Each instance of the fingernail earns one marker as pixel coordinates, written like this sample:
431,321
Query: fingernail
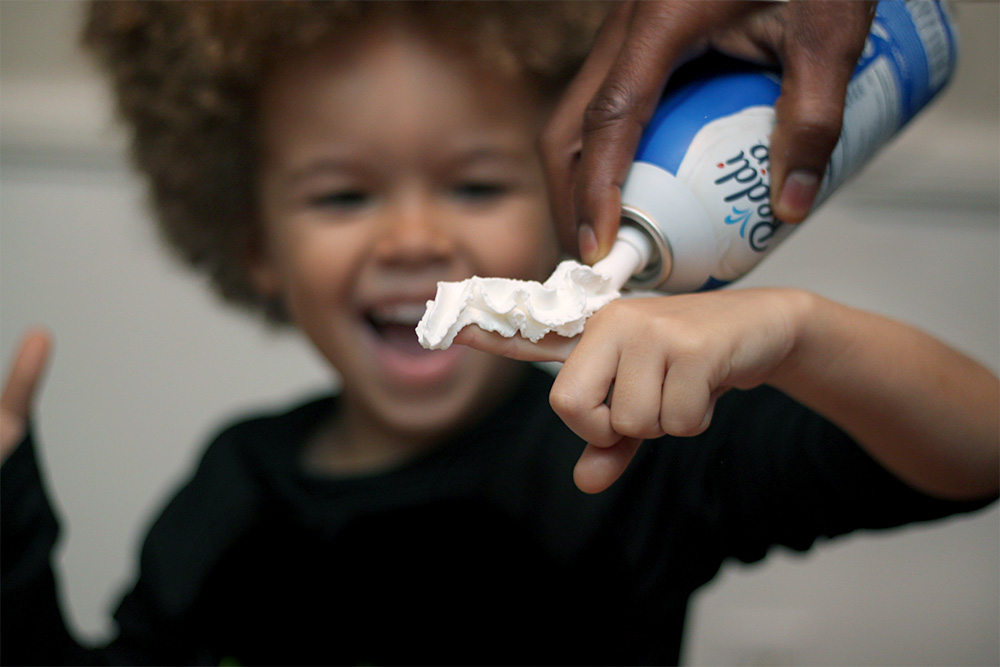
588,243
798,195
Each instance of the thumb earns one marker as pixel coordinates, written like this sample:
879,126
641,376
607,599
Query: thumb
599,467
809,120
818,63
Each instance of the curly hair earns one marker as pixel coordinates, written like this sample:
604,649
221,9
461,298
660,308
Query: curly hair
185,76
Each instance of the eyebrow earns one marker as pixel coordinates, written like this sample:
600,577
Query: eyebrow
323,164
479,153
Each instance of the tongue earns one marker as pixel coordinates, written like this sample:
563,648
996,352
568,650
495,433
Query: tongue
402,338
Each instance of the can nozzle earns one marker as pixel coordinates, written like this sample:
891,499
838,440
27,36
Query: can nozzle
630,255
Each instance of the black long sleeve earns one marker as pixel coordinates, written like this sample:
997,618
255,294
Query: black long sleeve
32,627
474,552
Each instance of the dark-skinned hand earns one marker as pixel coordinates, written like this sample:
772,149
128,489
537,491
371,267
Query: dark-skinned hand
592,136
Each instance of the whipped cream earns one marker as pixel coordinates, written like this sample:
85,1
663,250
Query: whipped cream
561,304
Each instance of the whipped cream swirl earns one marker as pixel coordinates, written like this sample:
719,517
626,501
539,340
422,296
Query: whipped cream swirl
561,304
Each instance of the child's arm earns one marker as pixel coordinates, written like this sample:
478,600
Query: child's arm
32,630
925,411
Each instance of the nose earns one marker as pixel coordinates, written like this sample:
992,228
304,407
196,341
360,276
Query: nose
415,231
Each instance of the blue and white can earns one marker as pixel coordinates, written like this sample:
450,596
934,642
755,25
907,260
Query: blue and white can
700,183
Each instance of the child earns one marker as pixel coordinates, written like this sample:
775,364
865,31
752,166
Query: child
326,165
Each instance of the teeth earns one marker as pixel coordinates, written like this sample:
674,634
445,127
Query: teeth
400,313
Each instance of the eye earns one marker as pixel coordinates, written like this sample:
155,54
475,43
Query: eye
479,190
341,199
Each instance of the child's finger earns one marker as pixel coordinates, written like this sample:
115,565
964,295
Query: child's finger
635,408
599,467
19,390
24,376
580,392
552,347
687,401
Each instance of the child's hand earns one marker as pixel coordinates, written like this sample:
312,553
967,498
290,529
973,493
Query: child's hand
20,389
644,367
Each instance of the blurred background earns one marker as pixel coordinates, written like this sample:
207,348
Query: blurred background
147,364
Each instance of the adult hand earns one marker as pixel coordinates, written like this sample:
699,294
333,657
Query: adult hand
21,387
592,136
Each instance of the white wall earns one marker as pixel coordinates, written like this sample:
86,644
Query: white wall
147,363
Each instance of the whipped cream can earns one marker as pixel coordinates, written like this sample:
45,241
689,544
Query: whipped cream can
700,183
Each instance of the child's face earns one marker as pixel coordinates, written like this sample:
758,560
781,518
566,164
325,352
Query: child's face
390,163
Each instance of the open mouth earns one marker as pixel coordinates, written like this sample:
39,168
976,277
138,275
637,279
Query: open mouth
395,325
398,355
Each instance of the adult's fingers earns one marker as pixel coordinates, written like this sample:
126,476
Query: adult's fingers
660,35
561,138
599,467
823,42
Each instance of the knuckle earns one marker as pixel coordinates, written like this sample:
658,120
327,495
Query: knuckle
691,346
614,104
812,126
564,403
817,135
604,316
811,110
820,120
618,314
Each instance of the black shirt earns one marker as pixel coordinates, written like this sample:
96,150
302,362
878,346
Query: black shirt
481,551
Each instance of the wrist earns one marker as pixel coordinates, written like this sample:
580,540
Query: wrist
804,314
